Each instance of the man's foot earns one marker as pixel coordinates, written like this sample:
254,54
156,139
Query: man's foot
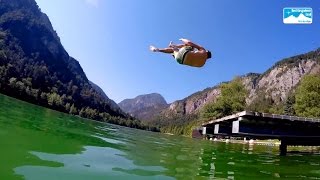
186,41
154,49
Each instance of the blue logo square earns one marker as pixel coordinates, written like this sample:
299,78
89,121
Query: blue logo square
297,15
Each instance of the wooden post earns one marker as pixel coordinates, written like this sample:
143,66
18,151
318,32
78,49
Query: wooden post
216,129
283,148
204,130
235,126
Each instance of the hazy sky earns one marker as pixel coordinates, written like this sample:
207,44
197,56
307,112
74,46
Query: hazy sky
110,39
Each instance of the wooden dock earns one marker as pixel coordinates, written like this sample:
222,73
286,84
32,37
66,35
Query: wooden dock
290,130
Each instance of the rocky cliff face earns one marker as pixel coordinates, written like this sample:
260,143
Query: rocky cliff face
276,83
144,106
280,80
194,102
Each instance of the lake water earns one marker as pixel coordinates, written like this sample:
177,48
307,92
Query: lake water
41,144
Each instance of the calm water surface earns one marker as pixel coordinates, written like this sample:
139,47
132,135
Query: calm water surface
37,143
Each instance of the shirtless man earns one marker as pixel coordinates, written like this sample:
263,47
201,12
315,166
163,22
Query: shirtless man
187,53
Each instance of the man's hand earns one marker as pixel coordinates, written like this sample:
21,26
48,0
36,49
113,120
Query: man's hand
154,49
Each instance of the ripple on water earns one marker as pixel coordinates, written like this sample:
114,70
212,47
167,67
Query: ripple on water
182,157
315,172
104,128
314,164
109,140
265,172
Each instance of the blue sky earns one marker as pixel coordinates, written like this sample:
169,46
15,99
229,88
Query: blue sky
110,39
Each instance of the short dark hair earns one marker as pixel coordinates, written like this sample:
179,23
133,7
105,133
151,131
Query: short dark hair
208,54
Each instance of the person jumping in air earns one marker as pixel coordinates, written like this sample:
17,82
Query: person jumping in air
187,53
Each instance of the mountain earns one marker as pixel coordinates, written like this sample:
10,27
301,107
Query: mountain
144,106
296,20
35,67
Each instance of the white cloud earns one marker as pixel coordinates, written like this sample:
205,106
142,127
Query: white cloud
94,3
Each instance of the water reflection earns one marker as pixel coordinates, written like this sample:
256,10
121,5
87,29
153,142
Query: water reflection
92,163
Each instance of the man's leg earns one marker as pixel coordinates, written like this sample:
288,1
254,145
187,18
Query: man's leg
163,50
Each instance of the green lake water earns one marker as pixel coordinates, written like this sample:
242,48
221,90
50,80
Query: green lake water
41,144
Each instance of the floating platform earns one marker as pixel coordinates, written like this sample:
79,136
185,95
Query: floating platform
290,130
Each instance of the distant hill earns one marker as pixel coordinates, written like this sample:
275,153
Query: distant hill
144,107
35,67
